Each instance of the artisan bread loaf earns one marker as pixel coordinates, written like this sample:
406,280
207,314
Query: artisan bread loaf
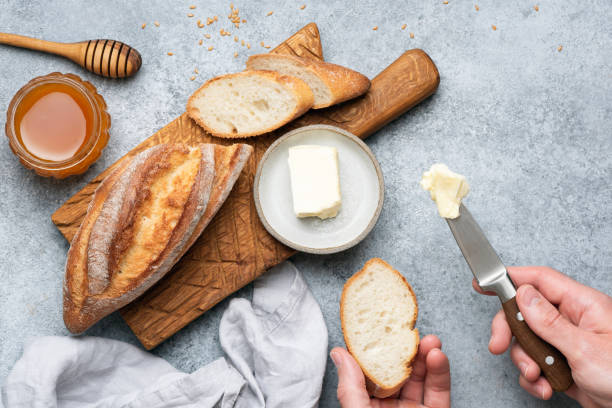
248,103
330,83
142,219
378,311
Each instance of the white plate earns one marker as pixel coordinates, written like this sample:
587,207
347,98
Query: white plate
361,187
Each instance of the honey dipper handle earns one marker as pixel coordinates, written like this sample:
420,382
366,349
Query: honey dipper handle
32,43
109,58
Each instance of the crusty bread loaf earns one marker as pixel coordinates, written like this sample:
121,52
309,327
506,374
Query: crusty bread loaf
141,220
330,83
378,311
248,103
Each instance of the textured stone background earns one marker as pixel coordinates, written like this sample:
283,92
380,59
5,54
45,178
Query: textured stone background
528,125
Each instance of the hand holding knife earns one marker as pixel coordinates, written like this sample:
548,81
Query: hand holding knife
491,275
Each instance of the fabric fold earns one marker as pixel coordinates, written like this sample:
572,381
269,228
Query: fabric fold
276,345
279,342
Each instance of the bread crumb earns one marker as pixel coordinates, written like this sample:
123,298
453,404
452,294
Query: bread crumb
403,26
235,55
269,13
476,7
375,28
170,53
156,23
536,8
248,46
261,43
445,2
195,71
235,39
411,35
200,24
200,42
189,14
207,36
302,7
560,48
211,48
494,27
192,7
242,43
192,78
268,46
244,21
143,25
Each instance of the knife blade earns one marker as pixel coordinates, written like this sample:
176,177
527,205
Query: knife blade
491,275
488,269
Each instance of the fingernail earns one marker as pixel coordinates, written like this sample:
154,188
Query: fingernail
524,367
531,297
541,391
335,358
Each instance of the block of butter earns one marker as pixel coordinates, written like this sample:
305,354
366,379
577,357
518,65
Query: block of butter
447,189
315,181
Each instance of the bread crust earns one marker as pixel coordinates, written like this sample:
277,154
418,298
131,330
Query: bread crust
374,387
302,94
344,83
111,218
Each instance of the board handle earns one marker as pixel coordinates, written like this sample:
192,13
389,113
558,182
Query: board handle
552,363
403,84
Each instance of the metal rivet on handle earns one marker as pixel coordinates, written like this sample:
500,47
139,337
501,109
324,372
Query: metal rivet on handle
549,360
519,316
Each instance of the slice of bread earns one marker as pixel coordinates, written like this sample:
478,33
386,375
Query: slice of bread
330,83
378,311
248,103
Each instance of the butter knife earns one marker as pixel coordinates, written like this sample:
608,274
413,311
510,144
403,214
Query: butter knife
491,275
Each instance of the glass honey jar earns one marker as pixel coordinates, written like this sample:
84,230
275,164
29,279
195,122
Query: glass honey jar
57,125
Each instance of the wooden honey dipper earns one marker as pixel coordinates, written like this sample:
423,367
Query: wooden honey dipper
109,58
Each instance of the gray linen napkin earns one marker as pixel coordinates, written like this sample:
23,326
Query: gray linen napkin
277,347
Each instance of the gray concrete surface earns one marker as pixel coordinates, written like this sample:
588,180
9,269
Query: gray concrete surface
528,125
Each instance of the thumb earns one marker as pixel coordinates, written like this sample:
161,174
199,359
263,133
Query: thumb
546,321
351,382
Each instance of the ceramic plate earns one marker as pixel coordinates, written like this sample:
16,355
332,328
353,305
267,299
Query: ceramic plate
361,188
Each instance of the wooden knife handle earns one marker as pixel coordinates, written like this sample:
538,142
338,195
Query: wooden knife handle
407,81
552,363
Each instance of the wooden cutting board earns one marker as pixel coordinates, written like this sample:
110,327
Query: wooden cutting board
235,248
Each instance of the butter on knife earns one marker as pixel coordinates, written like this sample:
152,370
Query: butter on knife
447,189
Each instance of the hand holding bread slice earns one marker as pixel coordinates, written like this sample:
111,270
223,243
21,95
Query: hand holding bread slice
142,219
378,310
274,90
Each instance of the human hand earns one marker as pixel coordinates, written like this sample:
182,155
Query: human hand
428,386
580,327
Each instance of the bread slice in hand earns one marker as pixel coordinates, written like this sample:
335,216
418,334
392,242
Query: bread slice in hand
248,103
330,83
143,217
378,311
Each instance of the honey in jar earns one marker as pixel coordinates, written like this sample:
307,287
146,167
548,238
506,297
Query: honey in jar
57,125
